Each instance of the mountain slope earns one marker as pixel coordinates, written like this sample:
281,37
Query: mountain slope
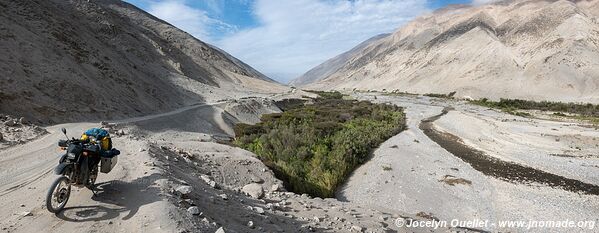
332,65
535,49
74,60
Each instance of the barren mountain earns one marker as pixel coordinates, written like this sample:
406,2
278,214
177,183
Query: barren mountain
533,49
78,59
332,65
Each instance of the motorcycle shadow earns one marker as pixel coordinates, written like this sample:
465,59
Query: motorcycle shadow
115,198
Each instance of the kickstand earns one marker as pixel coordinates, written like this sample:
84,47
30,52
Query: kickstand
93,189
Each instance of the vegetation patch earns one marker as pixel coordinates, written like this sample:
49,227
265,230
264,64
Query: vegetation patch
576,111
313,147
558,107
443,96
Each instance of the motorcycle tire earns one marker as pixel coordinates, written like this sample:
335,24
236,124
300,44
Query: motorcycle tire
61,196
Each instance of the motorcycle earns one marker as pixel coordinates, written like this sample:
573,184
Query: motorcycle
77,167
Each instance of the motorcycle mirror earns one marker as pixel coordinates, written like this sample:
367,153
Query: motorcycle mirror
64,131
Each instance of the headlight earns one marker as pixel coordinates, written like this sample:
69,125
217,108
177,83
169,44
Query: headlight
71,155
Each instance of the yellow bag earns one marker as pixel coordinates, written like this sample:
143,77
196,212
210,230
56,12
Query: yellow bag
105,142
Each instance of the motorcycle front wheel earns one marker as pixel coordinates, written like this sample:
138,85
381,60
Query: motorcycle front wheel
58,195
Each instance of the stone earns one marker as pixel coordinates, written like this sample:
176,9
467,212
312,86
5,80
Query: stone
357,228
120,132
259,210
194,210
253,190
317,219
257,179
23,121
224,196
270,206
205,178
220,230
250,224
275,187
10,122
184,189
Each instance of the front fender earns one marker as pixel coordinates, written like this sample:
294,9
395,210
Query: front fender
61,168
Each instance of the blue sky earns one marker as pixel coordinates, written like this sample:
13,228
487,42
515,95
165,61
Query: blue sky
285,38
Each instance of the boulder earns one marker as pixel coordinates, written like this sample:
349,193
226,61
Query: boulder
275,187
184,190
194,210
256,179
259,210
357,228
220,230
254,190
10,122
224,196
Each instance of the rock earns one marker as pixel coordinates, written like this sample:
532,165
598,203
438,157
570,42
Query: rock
259,210
275,187
10,122
142,149
317,219
224,196
220,230
357,228
205,178
27,213
271,206
254,190
23,121
250,224
184,189
194,210
120,132
212,184
1,137
257,179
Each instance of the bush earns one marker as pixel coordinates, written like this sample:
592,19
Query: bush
313,148
510,105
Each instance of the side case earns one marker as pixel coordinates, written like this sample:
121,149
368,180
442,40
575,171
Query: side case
107,164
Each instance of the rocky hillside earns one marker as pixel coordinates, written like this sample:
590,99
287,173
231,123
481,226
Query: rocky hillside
334,64
66,60
532,49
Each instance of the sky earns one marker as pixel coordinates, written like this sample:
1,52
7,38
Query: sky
285,38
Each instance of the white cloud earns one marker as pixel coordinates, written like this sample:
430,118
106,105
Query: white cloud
482,2
297,35
194,21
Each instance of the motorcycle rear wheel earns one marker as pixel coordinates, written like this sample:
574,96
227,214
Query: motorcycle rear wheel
59,194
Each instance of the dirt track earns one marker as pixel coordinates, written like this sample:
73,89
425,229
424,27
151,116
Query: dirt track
128,199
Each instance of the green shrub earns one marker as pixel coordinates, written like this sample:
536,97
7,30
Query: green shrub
443,96
313,148
511,105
